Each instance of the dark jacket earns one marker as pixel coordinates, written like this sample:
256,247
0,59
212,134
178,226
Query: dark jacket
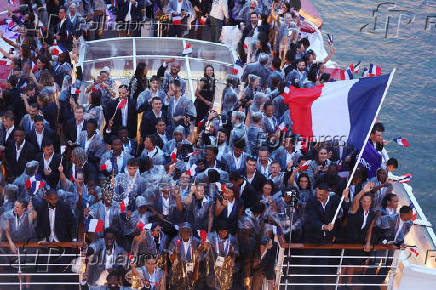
53,178
63,226
13,167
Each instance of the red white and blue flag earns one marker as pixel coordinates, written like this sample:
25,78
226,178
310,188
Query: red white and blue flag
365,72
174,155
355,68
34,183
330,39
282,127
187,50
343,108
192,171
124,204
94,225
347,74
75,91
414,250
405,178
402,141
374,70
57,48
305,165
107,165
237,68
193,153
221,187
177,19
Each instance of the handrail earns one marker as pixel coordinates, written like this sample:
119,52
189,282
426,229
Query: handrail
334,246
287,245
44,245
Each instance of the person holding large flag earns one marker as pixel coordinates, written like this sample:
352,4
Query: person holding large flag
122,113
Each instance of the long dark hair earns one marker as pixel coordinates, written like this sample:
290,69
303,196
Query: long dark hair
205,68
309,184
388,197
139,71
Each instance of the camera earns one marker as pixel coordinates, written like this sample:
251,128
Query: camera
294,195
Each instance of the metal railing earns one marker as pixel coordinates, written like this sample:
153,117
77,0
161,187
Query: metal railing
302,265
39,264
295,265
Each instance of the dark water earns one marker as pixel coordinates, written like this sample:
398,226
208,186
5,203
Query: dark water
410,106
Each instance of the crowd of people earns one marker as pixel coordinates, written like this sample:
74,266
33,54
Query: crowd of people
169,192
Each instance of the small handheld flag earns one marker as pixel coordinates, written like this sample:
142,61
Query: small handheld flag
193,153
402,141
237,68
187,50
347,74
174,155
305,165
414,250
94,225
56,48
330,39
34,183
355,68
123,205
221,187
107,165
405,178
192,171
177,19
121,104
140,226
374,71
75,91
203,235
365,72
282,127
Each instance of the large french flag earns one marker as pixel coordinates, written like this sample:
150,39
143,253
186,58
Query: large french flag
344,108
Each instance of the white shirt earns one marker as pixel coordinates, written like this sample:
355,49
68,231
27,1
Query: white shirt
186,246
230,207
119,161
73,170
109,259
87,142
163,137
51,217
124,116
79,129
47,162
365,217
157,116
152,152
250,180
107,211
129,16
238,161
165,206
8,132
288,157
39,137
19,150
400,226
62,22
265,170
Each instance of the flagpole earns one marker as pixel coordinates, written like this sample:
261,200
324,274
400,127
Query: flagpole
364,144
